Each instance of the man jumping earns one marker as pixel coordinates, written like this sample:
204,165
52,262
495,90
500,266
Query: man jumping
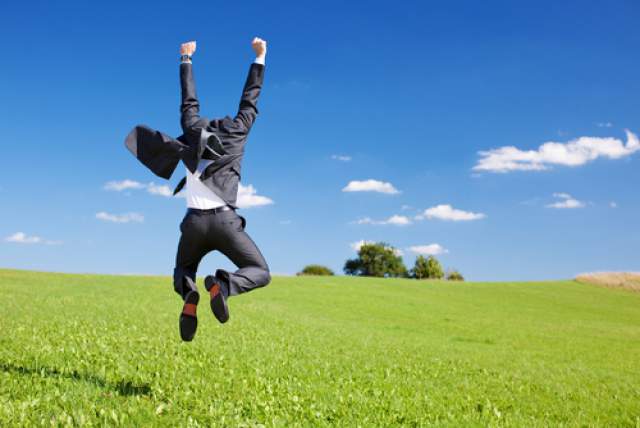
212,152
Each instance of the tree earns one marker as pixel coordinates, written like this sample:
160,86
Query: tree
353,267
429,268
454,275
316,270
377,259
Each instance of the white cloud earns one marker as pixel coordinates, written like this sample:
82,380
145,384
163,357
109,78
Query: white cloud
342,158
22,238
152,188
573,153
120,218
396,220
366,220
355,246
126,184
447,212
428,250
371,186
604,124
248,198
562,195
162,190
613,204
566,202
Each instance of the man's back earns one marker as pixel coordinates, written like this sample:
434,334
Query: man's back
217,139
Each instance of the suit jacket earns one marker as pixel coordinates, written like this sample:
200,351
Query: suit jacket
222,140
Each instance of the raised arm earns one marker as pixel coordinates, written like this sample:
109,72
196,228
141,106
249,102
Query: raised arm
248,103
190,119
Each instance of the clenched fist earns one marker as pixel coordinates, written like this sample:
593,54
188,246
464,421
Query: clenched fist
259,46
188,48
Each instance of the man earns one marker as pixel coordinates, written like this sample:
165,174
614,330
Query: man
212,152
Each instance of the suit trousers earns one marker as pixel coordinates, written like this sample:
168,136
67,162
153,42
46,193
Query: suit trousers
205,231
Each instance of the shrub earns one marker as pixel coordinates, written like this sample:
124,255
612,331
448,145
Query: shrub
454,275
377,259
316,270
429,268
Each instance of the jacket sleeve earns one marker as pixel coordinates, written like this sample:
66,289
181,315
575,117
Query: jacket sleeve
157,151
190,119
248,110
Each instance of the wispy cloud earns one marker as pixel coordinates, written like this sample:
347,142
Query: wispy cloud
566,201
120,218
371,186
341,158
573,153
448,213
126,184
613,204
396,220
23,238
604,124
119,186
428,250
248,197
159,189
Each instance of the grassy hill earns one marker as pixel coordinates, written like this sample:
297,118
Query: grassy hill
80,349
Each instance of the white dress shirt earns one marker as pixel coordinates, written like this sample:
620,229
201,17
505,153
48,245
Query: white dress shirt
197,194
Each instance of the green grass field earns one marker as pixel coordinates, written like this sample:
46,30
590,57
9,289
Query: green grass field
318,351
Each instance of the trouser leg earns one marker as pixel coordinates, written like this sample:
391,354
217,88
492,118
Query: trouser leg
191,249
238,246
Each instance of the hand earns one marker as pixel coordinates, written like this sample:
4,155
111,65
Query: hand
259,46
188,48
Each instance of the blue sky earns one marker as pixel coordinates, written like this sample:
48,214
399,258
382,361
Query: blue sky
421,97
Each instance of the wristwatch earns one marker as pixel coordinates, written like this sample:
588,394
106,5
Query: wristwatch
185,58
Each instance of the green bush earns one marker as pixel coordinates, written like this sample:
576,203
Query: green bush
316,270
379,259
454,275
429,268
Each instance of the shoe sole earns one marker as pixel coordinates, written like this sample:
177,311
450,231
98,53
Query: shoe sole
189,323
218,302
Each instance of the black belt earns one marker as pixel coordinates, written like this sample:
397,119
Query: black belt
210,211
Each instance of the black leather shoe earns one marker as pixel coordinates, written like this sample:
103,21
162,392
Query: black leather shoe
188,317
218,301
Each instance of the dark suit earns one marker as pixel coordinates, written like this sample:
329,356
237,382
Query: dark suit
222,140
226,137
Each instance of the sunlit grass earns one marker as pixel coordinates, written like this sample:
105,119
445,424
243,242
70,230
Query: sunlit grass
97,349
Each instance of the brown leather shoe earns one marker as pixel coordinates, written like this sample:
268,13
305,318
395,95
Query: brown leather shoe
188,317
218,301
